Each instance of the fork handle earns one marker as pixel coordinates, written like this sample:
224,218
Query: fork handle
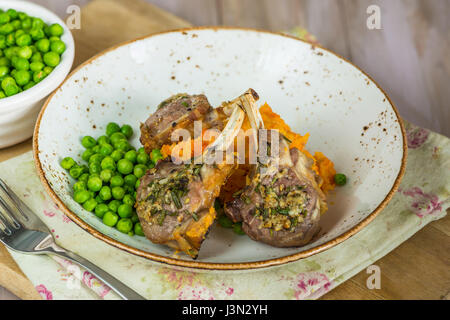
117,286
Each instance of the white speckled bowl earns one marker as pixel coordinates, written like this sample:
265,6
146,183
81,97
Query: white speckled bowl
18,113
348,116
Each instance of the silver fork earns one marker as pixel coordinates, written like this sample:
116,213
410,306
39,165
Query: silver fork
23,231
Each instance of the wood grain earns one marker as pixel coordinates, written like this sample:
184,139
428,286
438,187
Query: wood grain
409,57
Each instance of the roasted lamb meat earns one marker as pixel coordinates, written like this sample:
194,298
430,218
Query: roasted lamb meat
178,111
175,202
282,202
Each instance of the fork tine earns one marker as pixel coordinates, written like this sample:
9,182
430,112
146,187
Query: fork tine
20,205
6,225
9,214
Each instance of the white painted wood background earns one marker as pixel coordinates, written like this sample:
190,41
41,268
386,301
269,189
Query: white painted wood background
409,56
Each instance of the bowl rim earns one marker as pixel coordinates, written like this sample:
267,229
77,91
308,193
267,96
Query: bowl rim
54,79
214,265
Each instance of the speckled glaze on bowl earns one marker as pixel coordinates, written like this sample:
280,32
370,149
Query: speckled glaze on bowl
348,116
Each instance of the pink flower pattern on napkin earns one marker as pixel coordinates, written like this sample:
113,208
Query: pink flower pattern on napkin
423,203
416,136
92,282
44,292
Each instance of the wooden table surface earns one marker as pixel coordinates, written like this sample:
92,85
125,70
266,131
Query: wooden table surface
420,267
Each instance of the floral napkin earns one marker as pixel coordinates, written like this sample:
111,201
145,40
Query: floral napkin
423,196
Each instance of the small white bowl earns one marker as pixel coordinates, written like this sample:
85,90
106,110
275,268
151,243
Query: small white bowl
18,113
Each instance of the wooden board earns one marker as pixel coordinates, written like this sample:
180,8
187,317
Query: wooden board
417,269
94,36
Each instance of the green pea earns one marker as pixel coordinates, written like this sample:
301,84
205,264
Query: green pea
138,183
43,45
139,170
56,30
156,155
115,136
53,38
37,34
103,140
105,193
12,90
79,185
51,59
237,228
101,209
95,167
7,81
224,221
84,177
38,23
114,205
2,95
96,158
22,77
125,210
111,128
22,15
27,23
58,47
5,62
36,57
122,145
141,150
135,218
29,85
128,199
67,163
138,229
110,218
95,183
47,70
108,162
106,175
81,196
25,52
130,180
6,28
88,142
127,130
131,233
10,39
90,205
340,179
106,149
4,18
142,158
36,66
117,155
87,154
116,181
16,24
23,40
98,199
131,156
96,149
18,33
124,225
39,76
118,193
124,166
12,13
21,64
4,71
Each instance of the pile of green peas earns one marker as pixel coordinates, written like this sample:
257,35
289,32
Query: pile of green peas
106,184
29,51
